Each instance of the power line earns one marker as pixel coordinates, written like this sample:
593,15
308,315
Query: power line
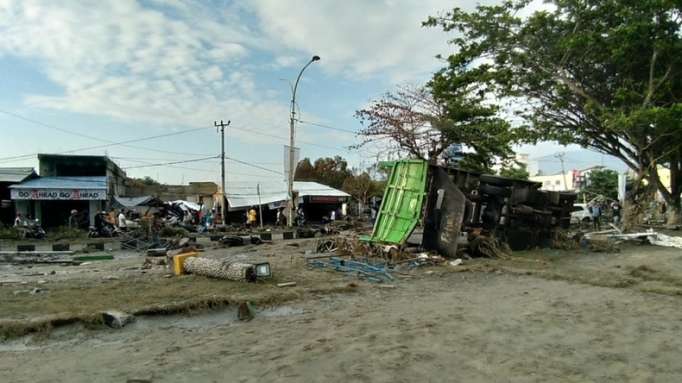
285,138
170,163
327,126
109,142
253,166
120,143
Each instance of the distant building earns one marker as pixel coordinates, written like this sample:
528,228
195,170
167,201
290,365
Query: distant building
572,180
555,182
86,184
201,193
9,177
316,200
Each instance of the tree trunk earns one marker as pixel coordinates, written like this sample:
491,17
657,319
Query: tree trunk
674,215
670,196
675,207
633,211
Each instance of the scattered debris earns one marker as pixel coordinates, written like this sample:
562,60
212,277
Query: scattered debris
383,286
488,247
456,262
246,312
117,319
372,273
659,239
93,258
286,284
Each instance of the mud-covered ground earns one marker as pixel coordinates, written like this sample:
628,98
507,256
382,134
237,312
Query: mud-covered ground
542,316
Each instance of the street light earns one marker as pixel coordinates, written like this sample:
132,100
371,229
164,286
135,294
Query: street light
292,165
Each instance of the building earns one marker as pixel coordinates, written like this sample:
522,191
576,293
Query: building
9,177
555,182
86,184
200,193
573,180
316,200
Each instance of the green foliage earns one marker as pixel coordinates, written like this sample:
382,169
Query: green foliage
328,171
10,233
604,74
516,171
140,182
423,122
362,187
602,182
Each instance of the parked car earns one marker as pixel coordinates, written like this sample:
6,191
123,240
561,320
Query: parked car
582,215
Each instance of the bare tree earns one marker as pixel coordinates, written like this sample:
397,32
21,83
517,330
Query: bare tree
405,121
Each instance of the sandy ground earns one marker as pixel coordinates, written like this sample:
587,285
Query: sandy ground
466,327
544,316
541,316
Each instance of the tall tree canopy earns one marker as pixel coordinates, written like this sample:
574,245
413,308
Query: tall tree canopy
604,74
328,171
411,121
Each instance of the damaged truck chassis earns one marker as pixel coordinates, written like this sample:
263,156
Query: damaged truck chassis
458,205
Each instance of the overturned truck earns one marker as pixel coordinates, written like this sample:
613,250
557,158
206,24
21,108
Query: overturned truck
454,206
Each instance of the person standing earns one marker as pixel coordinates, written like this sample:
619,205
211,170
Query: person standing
251,217
122,221
596,215
18,221
73,219
616,210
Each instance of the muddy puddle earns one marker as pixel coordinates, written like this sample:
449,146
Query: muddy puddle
77,334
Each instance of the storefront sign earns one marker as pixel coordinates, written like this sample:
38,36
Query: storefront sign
59,194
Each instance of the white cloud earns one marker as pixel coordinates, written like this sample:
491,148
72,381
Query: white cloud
358,37
138,63
187,63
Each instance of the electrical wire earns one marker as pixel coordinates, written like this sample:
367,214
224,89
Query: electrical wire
252,165
169,163
287,138
120,143
327,126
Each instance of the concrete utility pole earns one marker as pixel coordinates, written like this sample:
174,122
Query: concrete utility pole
292,165
561,156
260,204
223,203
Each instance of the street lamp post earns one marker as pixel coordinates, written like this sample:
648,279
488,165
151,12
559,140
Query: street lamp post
292,165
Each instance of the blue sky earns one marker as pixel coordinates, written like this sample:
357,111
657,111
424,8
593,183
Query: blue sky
122,70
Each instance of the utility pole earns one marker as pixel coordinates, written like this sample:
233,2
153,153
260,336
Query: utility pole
223,203
561,156
260,204
292,165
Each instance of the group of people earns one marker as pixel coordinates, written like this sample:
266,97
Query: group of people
597,211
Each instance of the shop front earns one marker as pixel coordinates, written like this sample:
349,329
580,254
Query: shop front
51,199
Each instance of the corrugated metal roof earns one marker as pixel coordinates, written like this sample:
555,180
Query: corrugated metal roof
245,196
63,183
131,202
15,174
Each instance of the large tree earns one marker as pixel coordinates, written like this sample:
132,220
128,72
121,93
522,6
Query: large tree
604,74
328,171
362,187
412,122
